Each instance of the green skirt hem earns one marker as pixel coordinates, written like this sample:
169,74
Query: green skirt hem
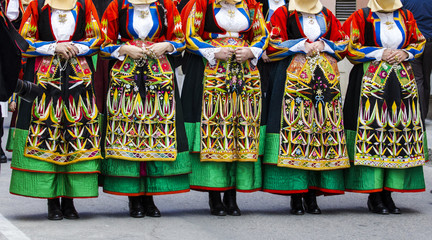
284,180
145,185
221,176
53,185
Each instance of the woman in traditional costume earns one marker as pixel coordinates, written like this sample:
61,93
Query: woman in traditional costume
56,153
146,146
15,12
222,98
385,137
305,141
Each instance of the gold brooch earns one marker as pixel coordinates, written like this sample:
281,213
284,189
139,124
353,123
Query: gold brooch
62,18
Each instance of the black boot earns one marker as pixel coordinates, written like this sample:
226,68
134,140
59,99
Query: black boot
68,208
376,205
216,206
389,203
54,212
310,202
230,202
3,158
297,204
149,206
136,208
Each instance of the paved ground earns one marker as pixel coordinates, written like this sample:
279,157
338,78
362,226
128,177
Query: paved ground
186,216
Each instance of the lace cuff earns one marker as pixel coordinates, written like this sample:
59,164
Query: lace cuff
257,54
82,49
48,49
209,54
377,54
116,55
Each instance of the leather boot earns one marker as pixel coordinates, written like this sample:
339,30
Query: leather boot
149,206
216,206
376,205
3,158
136,208
297,204
310,203
68,208
389,203
54,212
230,202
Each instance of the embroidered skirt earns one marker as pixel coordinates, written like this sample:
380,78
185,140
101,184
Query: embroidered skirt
305,128
146,146
386,140
56,143
223,108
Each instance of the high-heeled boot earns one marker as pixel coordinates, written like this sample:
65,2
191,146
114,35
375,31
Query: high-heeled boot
230,202
216,206
54,211
136,208
150,207
68,208
297,204
310,203
376,205
389,203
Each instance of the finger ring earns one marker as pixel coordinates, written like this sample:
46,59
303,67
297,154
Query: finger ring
397,58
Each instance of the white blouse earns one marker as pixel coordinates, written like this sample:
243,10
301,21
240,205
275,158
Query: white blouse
142,24
312,30
63,26
391,36
142,20
233,22
12,11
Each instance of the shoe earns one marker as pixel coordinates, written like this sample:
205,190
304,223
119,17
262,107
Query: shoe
54,212
136,208
297,204
230,202
68,208
389,203
3,158
150,208
376,205
216,206
310,203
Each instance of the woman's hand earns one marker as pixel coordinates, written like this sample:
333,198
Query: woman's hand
386,55
264,57
12,106
243,54
314,48
159,49
133,52
398,56
224,54
66,50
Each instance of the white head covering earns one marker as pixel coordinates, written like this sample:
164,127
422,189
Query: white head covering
384,5
61,4
306,6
